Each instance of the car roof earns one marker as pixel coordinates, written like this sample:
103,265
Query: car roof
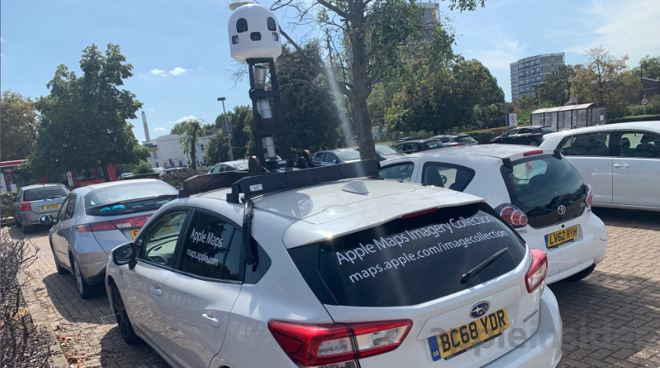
88,188
652,125
34,186
419,141
316,212
498,151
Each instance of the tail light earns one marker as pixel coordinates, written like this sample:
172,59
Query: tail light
535,276
589,197
513,215
337,345
25,206
125,223
532,153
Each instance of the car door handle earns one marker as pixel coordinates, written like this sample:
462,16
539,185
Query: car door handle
211,320
622,166
156,291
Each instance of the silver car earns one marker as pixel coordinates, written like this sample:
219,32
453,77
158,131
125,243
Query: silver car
95,219
33,201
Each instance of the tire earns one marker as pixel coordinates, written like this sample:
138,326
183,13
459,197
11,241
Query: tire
17,220
85,290
123,323
582,274
59,268
534,143
26,229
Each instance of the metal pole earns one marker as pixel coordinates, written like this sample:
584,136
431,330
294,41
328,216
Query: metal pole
231,151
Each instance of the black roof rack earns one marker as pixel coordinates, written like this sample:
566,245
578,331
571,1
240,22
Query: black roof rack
254,184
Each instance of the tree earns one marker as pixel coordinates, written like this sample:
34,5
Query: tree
649,67
366,41
84,120
556,87
192,131
311,117
241,133
218,149
19,126
605,80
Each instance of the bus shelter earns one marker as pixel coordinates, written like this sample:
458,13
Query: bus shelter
569,117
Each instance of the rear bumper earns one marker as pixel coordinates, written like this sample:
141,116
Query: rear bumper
574,256
543,349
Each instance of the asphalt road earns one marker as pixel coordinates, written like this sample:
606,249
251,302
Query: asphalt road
611,319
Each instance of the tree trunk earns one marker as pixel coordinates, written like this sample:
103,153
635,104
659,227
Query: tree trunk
360,90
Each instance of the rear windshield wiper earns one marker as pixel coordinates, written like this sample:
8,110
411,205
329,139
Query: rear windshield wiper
475,270
135,200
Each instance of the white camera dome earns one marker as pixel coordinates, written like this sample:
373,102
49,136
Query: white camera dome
253,32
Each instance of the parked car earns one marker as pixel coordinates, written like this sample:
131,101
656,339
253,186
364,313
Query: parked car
125,175
418,145
335,156
96,218
33,201
528,135
453,140
384,151
174,170
230,166
538,192
331,267
620,161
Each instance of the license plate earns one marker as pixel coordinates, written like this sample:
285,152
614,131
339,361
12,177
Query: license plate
134,233
561,236
51,206
458,340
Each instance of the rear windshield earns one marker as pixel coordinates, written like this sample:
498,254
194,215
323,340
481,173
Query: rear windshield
410,260
464,139
348,155
539,184
39,194
128,198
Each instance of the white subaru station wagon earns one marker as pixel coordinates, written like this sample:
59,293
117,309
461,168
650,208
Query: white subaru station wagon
332,267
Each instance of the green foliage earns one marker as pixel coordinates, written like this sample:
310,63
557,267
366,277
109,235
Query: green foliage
7,203
649,67
143,168
84,119
556,88
465,4
19,126
192,131
653,107
240,120
311,117
218,149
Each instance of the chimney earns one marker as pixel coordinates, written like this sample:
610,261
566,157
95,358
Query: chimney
146,127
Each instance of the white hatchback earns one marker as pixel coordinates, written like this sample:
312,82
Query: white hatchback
538,192
333,267
620,161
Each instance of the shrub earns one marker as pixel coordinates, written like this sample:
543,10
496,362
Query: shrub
22,342
7,203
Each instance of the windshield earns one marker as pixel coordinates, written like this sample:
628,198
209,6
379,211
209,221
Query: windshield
128,198
39,194
385,150
348,155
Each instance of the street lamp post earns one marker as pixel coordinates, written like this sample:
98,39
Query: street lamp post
226,128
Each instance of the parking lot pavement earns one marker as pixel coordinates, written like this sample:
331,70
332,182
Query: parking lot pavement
611,319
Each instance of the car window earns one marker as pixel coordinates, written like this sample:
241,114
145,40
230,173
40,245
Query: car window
511,133
588,144
206,246
453,176
39,194
215,169
67,208
639,144
346,155
439,247
71,207
128,198
399,172
434,144
158,241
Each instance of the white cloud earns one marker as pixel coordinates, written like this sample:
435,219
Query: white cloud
159,129
157,72
622,28
186,118
177,71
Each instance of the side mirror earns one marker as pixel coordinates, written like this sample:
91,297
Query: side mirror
124,254
46,220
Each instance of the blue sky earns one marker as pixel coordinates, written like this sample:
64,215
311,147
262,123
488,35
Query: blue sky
180,50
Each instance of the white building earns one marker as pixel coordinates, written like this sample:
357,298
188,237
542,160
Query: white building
166,152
